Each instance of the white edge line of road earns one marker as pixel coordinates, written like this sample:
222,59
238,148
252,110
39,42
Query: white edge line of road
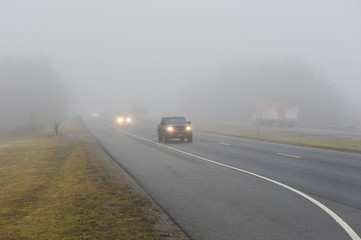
338,219
288,155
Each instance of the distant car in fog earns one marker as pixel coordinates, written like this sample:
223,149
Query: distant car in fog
123,119
175,128
95,115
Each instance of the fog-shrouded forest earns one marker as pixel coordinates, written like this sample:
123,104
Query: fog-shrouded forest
207,60
32,94
233,93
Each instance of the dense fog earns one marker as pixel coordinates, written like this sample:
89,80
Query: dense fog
207,60
236,90
31,94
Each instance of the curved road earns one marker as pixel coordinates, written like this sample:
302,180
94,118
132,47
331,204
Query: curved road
221,187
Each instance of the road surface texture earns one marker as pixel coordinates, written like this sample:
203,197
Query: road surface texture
221,187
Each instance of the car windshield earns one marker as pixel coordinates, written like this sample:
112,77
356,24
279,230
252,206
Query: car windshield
176,120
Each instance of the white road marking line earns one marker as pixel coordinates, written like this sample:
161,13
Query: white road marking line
338,219
287,155
222,143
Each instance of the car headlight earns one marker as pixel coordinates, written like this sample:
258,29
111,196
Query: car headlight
188,128
169,129
129,120
120,120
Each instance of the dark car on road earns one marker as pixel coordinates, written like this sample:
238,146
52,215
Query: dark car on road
175,128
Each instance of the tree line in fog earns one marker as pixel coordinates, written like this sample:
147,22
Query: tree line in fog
234,92
31,94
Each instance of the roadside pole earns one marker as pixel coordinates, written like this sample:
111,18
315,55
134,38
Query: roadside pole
56,126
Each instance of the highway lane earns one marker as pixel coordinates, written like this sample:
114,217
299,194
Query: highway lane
330,174
210,202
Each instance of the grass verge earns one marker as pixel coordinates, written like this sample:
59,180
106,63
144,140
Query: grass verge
55,188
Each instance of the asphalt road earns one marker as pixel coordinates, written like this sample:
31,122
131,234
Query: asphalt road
221,187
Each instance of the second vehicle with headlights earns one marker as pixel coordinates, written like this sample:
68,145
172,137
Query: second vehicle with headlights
175,128
123,119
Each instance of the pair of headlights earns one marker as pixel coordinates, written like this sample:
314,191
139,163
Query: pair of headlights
124,120
171,129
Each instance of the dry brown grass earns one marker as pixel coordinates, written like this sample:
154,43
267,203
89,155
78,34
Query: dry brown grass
329,143
53,188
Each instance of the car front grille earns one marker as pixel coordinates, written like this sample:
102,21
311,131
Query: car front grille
179,128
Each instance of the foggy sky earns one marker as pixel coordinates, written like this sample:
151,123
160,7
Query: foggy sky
124,53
